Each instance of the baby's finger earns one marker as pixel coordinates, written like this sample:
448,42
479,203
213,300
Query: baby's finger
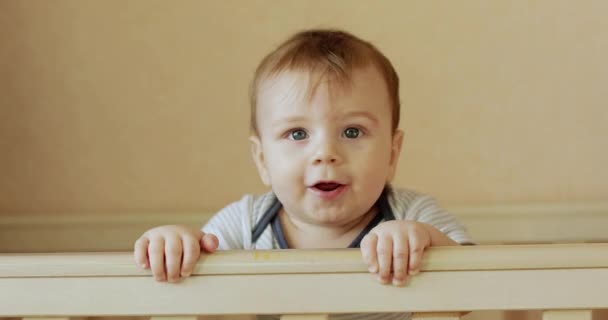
192,251
385,256
400,259
173,257
368,251
416,252
140,252
209,243
156,254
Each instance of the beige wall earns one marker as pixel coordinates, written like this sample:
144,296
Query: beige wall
110,106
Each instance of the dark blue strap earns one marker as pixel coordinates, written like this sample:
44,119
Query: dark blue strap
278,232
265,220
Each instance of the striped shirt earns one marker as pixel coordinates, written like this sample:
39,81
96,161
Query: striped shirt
233,227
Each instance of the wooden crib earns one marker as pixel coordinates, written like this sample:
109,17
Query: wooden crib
565,281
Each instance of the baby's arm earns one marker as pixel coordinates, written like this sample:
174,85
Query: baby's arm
162,249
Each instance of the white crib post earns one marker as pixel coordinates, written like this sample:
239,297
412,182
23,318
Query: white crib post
304,317
567,315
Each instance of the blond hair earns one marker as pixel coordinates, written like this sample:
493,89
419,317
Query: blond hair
329,53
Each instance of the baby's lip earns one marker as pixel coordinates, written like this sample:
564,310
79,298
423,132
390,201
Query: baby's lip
325,182
328,190
326,186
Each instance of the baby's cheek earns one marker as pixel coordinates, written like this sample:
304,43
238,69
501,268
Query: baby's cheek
372,176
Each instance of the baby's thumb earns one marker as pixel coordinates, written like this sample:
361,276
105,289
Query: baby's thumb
209,243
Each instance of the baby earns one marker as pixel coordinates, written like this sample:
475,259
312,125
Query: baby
325,139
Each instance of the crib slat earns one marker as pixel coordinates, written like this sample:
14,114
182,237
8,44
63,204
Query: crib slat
304,317
229,317
173,318
49,318
567,315
437,315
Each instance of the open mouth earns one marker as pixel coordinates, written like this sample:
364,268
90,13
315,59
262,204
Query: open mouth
327,186
328,190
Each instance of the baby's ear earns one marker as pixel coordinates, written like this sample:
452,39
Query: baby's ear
395,152
258,157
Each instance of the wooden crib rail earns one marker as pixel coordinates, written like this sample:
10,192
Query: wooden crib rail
453,279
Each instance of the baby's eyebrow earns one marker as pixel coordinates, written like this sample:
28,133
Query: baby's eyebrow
282,121
288,120
363,114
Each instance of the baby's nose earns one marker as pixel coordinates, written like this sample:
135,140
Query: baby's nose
325,159
327,153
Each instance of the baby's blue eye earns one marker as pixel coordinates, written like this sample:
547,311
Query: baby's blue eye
298,134
352,133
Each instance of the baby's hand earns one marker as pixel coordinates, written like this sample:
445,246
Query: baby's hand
395,246
162,249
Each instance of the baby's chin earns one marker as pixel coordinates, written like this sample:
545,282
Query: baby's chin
335,218
313,210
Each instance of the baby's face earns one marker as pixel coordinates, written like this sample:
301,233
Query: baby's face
329,157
